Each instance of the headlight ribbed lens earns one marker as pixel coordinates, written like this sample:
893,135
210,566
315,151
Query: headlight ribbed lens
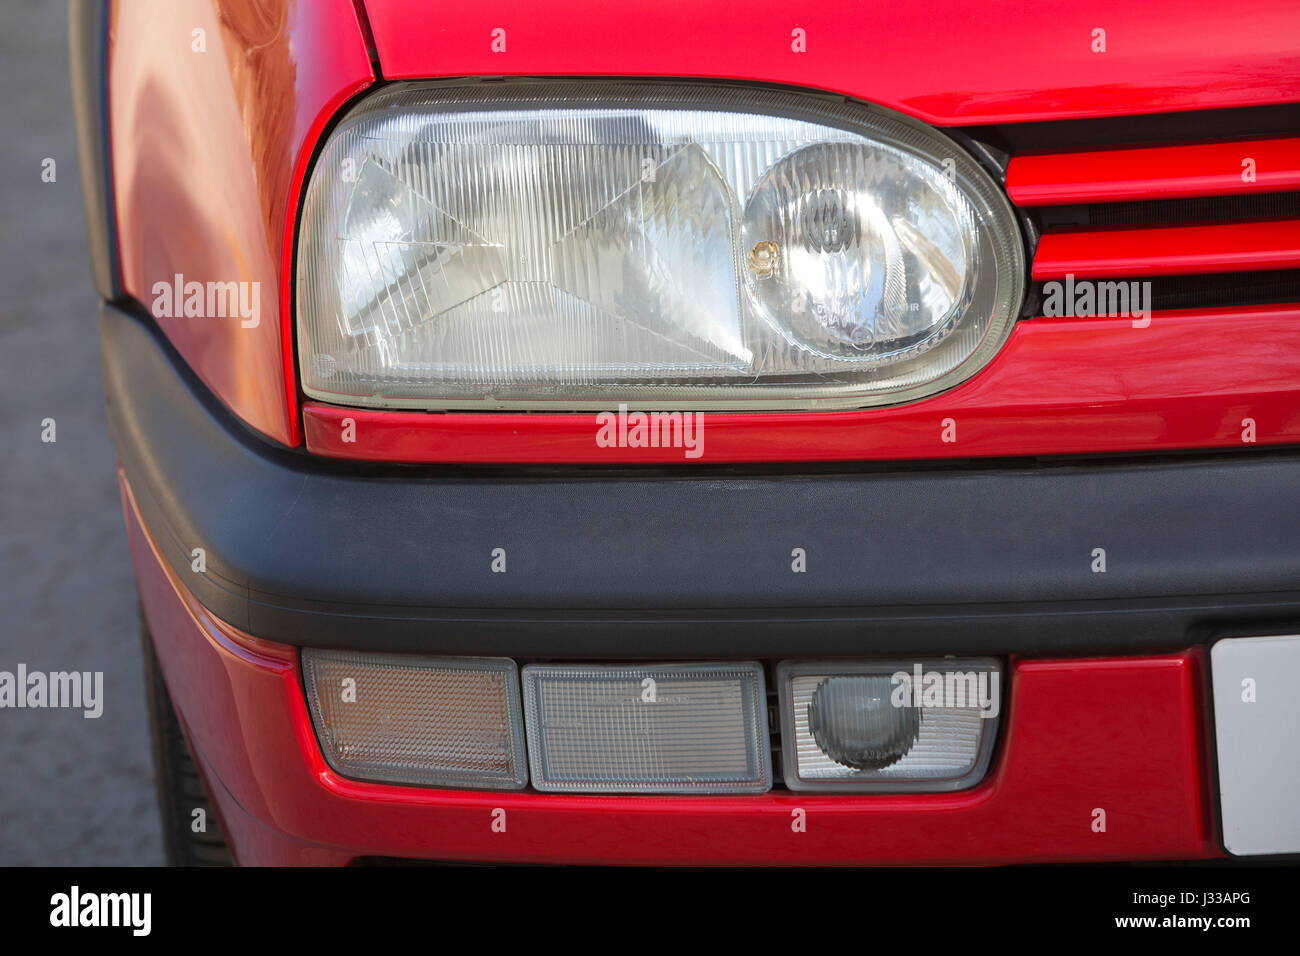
871,252
571,245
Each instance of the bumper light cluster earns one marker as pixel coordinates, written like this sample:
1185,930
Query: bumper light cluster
665,728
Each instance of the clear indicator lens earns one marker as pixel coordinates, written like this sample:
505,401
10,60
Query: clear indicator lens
452,722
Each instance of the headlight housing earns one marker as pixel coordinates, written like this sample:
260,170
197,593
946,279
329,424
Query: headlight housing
566,245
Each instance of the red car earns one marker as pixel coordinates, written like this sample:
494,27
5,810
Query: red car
706,433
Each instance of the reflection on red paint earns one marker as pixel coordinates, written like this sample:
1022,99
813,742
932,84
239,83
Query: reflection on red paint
947,62
214,109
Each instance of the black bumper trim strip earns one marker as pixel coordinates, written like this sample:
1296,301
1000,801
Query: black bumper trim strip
618,566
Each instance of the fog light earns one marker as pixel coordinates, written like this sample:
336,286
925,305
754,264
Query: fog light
409,719
685,728
888,725
855,724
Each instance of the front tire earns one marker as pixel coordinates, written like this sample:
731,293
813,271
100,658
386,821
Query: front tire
180,787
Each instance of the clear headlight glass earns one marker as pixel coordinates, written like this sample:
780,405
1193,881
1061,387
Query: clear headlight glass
569,245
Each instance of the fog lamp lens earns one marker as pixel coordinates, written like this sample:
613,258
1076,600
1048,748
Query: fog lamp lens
888,725
420,720
855,724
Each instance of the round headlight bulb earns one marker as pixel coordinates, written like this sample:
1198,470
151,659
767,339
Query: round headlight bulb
852,273
854,721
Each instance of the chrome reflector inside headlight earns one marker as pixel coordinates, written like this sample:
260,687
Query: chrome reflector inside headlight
888,725
569,245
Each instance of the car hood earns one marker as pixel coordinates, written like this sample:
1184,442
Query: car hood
948,62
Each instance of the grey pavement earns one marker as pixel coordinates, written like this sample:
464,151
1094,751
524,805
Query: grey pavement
72,790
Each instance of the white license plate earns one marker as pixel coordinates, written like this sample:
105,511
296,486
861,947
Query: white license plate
1256,683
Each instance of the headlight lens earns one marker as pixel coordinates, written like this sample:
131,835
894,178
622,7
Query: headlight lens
568,245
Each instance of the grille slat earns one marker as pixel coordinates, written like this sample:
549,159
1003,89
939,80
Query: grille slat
1210,223
1161,172
1169,250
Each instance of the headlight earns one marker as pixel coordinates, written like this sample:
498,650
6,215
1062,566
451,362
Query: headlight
570,245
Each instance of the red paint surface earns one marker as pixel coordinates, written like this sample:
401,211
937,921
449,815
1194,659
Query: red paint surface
1059,386
1170,250
1125,735
210,151
945,61
1163,172
207,151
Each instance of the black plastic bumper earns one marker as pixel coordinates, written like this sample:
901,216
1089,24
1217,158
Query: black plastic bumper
603,564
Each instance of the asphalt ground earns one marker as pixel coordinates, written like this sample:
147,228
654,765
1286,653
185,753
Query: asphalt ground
73,790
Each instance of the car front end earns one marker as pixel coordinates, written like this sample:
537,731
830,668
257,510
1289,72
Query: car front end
657,435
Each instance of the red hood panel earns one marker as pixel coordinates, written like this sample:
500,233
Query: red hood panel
949,62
